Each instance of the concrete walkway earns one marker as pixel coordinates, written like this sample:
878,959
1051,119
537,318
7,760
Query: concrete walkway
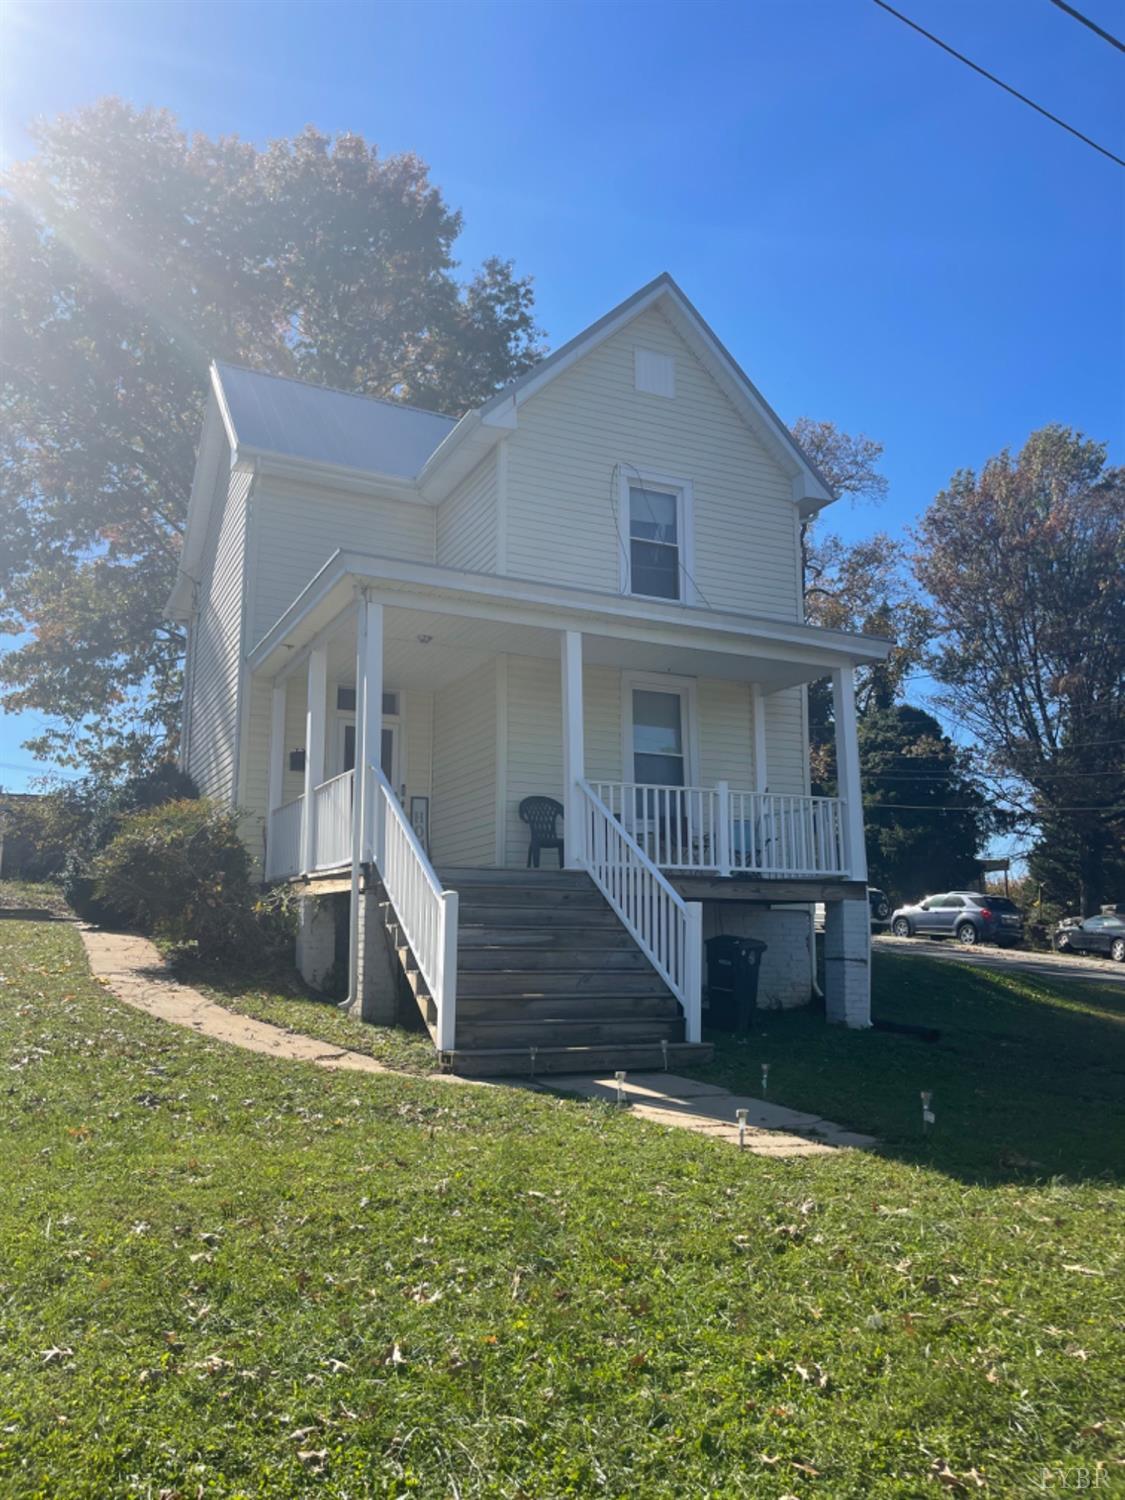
709,1109
135,971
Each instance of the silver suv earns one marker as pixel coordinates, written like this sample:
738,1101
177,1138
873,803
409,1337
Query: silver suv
966,915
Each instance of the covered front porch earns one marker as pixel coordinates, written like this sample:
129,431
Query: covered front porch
479,713
673,743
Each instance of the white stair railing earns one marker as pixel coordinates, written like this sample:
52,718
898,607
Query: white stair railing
676,826
667,929
424,909
283,841
332,829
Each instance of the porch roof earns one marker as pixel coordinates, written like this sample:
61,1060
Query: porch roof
496,614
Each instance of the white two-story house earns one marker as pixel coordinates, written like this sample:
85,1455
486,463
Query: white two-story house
519,697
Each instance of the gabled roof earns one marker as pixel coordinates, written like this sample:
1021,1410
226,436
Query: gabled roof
289,419
810,488
419,456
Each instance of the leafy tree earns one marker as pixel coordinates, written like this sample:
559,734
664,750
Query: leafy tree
863,586
848,463
926,817
1024,562
131,255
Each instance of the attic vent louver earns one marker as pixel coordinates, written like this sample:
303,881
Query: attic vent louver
655,373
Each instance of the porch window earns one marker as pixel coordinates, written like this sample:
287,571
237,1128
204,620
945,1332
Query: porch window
659,758
655,527
345,702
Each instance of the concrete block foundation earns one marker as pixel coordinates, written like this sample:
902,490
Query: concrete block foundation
376,990
316,941
786,978
847,963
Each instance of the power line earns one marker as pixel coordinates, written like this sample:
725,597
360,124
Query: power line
930,807
960,56
920,775
1093,25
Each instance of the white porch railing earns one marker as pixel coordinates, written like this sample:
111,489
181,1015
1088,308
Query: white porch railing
709,829
772,834
668,929
332,831
426,912
283,841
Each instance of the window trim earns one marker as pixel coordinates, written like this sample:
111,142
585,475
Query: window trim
629,476
661,682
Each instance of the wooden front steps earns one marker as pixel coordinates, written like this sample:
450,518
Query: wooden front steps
545,965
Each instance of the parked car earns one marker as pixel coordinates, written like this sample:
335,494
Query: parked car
965,915
880,904
1102,934
878,901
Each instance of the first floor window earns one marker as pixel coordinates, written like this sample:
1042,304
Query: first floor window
659,758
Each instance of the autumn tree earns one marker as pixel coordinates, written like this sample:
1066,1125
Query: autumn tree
863,586
131,255
1024,562
926,814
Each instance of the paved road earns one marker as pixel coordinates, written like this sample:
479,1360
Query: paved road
1043,965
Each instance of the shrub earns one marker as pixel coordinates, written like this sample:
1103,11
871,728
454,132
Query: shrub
90,811
181,872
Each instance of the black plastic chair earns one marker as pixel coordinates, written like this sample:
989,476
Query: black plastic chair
542,814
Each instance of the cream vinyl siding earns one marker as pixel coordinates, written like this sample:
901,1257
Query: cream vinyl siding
212,760
563,478
534,744
787,759
467,521
297,529
296,710
534,741
463,809
726,739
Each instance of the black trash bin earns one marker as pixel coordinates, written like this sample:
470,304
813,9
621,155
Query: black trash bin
733,967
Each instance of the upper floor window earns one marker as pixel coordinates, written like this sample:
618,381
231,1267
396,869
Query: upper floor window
656,544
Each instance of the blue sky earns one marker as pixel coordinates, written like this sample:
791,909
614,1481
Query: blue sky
880,236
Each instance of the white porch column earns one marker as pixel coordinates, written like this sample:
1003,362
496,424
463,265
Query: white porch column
758,708
574,751
369,724
277,758
847,770
371,984
314,751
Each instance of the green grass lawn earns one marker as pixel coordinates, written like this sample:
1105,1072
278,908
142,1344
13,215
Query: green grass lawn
221,1274
1028,1076
284,1001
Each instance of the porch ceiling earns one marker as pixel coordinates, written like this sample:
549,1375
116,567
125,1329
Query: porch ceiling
441,623
428,651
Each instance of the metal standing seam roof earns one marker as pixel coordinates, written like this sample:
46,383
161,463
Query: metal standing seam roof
288,418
